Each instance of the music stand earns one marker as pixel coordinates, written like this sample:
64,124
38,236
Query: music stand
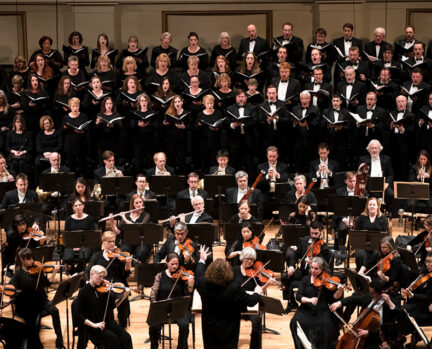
375,184
5,187
408,259
65,291
411,191
61,182
167,185
116,186
276,258
203,233
217,185
364,239
43,253
291,233
359,283
149,234
285,210
82,239
347,205
144,277
322,196
272,306
233,230
27,209
167,311
183,205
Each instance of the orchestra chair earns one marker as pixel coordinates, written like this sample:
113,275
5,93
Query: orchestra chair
191,321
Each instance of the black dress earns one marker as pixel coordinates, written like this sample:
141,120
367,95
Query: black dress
144,140
54,59
317,321
109,79
6,123
19,141
185,54
140,56
108,133
229,53
32,113
112,53
45,143
82,54
177,139
170,51
83,255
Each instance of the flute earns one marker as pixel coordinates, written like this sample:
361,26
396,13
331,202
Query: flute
118,214
175,217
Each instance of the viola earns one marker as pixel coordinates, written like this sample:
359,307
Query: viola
186,246
428,240
182,273
415,284
106,286
255,244
263,275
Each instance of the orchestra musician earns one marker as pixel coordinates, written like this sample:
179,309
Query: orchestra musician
160,168
222,168
424,238
223,301
299,259
109,170
323,168
188,255
81,191
21,194
314,315
141,189
193,190
292,196
117,271
32,298
91,312
247,238
421,172
199,215
243,214
136,201
303,215
166,286
275,172
5,174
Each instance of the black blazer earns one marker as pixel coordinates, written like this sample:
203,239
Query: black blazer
203,218
11,198
294,89
295,48
184,194
359,88
261,45
255,197
169,246
62,169
340,43
148,195
228,170
370,49
152,171
386,166
282,113
313,168
281,167
249,123
100,172
378,116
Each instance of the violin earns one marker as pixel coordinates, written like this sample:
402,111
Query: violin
35,268
186,246
329,282
415,284
8,290
48,267
120,255
36,235
116,287
383,264
182,273
254,243
314,248
263,275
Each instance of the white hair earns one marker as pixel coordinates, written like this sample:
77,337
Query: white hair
379,30
374,141
305,93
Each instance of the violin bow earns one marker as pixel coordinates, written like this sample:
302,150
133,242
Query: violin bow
255,274
270,221
424,241
39,274
345,323
380,262
106,304
172,288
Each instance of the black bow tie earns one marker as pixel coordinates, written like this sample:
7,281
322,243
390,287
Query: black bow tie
370,110
419,59
350,84
348,40
305,109
336,110
415,86
284,81
409,41
240,106
317,83
252,40
272,103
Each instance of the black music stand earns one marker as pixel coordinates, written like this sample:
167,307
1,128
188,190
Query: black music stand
167,311
149,234
411,191
167,185
116,186
144,277
43,253
61,182
65,291
323,200
203,233
95,209
359,283
408,258
5,187
291,233
347,205
82,239
183,205
365,239
275,258
281,189
272,306
375,184
285,210
30,208
217,185
233,230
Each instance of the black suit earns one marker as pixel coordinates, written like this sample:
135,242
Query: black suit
420,98
340,43
400,50
426,67
62,169
264,184
293,89
148,195
332,165
152,171
203,218
386,96
100,172
360,67
255,198
322,101
184,194
11,198
371,51
261,46
169,246
359,89
328,53
228,170
398,74
294,48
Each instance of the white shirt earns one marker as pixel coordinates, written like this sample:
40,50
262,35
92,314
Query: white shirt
377,50
240,194
336,115
349,91
194,218
350,192
193,193
21,197
322,163
282,89
252,45
399,117
316,87
369,113
285,42
376,170
347,45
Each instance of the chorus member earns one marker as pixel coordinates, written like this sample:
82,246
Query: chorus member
161,100
371,219
314,315
77,75
126,100
224,49
323,168
236,194
14,94
241,132
5,174
423,238
305,121
416,90
337,126
222,167
210,124
254,44
129,68
20,68
420,61
21,194
220,66
160,73
32,298
424,123
109,127
47,142
133,50
421,172
374,49
345,42
35,102
326,49
107,74
288,88
303,214
94,96
273,68
45,73
79,220
65,91
167,285
6,115
100,325
225,96
275,172
320,90
176,125
193,189
188,256
352,90
76,48
160,168
300,187
193,69
398,73
249,68
254,96
52,56
75,141
117,271
292,44
193,49
361,67
19,145
223,301
139,216
166,48
143,128
404,47
103,48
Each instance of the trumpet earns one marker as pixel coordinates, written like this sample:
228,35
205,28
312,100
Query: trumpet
175,217
114,172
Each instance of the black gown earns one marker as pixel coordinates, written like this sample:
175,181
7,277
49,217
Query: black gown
176,139
83,255
144,138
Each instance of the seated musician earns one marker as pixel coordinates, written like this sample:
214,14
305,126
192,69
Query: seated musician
32,298
379,166
388,267
421,172
99,323
140,216
244,214
141,189
181,244
81,191
314,315
160,168
193,190
19,237
303,215
424,239
301,255
292,196
378,301
117,271
222,168
275,172
12,331
246,238
370,219
6,175
235,195
323,168
109,170
77,221
166,286
21,194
